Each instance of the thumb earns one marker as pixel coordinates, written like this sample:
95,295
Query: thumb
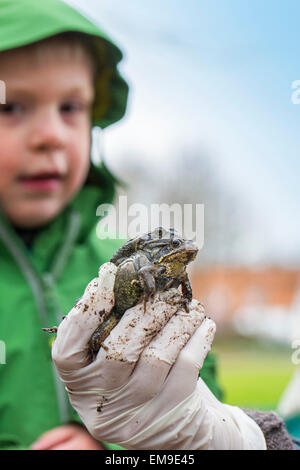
70,348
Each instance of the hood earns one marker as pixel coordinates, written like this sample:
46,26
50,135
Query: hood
24,22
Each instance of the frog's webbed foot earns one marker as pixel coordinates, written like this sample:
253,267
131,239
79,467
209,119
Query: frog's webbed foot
50,330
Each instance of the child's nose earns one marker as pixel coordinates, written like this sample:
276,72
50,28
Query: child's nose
47,130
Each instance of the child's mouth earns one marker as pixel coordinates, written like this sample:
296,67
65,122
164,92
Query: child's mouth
43,182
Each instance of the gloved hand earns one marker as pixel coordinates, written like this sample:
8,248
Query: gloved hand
143,391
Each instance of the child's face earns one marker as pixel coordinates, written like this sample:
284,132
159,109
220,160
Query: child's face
44,135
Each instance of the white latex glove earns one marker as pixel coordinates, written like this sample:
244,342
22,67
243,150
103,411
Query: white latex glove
289,404
143,391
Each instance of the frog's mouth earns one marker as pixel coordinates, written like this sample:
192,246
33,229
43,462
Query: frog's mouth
184,253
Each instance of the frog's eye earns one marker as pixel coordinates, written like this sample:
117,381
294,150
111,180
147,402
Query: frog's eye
176,242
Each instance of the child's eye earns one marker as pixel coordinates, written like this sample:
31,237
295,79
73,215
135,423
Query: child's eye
71,107
11,109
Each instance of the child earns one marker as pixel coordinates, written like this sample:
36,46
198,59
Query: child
61,78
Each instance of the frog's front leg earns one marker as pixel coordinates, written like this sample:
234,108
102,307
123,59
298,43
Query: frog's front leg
146,275
187,292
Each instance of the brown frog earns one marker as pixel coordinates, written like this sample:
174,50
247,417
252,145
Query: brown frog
154,261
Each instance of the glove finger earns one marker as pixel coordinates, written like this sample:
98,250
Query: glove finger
173,337
162,352
70,348
133,333
190,361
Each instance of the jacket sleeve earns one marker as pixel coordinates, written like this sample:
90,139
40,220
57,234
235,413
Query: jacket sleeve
273,428
10,442
209,375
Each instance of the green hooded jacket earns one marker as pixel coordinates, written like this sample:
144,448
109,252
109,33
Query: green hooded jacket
41,284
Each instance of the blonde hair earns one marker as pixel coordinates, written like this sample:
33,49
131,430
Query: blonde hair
76,46
64,46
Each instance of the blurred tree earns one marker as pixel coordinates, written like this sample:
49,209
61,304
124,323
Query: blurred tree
190,177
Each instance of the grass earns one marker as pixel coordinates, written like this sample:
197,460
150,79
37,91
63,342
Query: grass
253,374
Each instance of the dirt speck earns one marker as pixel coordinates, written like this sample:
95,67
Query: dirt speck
100,404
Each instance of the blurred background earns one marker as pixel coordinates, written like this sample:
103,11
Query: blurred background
211,120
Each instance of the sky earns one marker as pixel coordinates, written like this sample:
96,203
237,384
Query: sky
216,74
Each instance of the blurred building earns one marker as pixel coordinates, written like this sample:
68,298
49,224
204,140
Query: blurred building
249,296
